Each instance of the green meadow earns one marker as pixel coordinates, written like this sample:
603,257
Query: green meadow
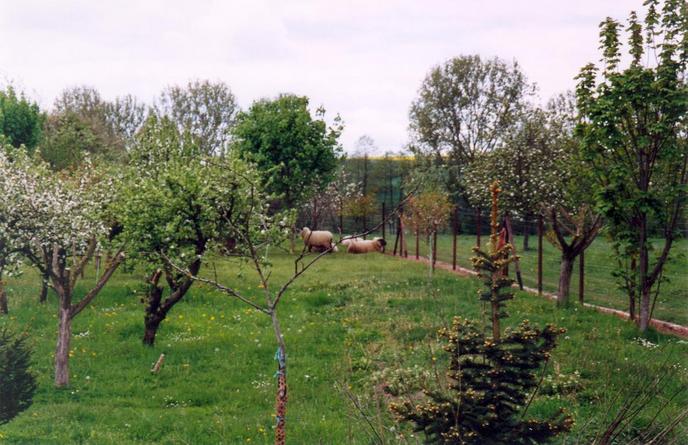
345,321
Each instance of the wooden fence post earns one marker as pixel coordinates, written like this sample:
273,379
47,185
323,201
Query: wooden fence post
434,249
417,242
581,277
396,240
403,247
384,217
455,229
539,264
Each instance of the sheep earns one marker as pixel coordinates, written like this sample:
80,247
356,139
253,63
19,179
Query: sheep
348,241
367,246
321,240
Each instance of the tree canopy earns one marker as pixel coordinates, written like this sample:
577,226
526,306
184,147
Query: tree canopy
294,151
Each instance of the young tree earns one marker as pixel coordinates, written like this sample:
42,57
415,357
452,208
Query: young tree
66,216
255,236
491,380
330,204
525,161
542,173
427,213
294,151
178,203
464,108
633,135
206,110
21,121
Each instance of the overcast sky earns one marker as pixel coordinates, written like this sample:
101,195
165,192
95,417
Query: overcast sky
362,59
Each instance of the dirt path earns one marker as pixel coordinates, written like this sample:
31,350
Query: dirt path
664,327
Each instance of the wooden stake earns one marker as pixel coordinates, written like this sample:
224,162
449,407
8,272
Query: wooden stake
455,230
156,367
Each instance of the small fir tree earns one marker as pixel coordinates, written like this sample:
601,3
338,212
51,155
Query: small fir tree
17,384
492,380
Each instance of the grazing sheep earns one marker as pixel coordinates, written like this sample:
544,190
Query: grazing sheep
321,240
367,246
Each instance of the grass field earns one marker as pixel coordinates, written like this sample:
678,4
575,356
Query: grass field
348,319
600,285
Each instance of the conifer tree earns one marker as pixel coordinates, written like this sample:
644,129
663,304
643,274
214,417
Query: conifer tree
492,379
17,384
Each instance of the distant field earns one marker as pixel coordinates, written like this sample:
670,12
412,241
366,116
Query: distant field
350,317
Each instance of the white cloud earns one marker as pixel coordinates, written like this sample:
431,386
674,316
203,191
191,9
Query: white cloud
362,59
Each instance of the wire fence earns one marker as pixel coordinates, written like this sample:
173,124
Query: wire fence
593,278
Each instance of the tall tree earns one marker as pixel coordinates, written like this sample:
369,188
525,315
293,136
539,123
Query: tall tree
295,151
207,110
634,135
104,129
21,121
464,108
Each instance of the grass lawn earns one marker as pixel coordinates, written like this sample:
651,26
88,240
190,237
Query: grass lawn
600,285
346,320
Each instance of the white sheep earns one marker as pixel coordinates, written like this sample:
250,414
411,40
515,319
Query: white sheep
321,240
367,246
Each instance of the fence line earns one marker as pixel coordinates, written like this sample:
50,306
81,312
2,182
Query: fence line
539,264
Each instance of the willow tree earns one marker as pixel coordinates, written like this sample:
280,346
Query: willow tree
634,136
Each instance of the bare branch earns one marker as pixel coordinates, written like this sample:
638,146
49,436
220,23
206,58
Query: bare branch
225,289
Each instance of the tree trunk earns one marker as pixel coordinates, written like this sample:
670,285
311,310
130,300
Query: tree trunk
526,234
643,279
152,325
632,291
565,274
64,336
154,313
3,299
45,277
517,263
